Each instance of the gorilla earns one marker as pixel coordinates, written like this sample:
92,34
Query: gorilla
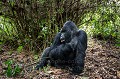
68,49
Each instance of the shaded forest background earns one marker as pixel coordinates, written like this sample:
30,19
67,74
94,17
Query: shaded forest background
27,27
32,24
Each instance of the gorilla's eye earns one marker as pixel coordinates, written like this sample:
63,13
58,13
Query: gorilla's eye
63,30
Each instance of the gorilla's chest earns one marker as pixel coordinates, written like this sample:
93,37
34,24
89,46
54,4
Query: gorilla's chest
69,56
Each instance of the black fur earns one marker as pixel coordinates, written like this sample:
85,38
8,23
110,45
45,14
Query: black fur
68,49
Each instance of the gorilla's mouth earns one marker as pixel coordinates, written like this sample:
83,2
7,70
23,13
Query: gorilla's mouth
62,40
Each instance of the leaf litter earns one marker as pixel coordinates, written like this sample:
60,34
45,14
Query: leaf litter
102,62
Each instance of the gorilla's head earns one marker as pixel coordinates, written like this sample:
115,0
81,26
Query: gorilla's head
67,31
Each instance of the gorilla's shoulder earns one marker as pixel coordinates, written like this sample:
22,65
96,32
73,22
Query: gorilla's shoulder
81,32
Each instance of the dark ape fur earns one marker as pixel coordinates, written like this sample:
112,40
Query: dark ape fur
68,49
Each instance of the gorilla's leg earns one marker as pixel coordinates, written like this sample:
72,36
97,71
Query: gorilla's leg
44,59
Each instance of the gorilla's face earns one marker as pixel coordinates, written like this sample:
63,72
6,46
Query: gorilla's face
65,35
67,32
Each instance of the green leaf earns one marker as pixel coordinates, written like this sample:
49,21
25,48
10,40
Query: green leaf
9,62
36,57
1,43
17,70
9,71
117,45
20,48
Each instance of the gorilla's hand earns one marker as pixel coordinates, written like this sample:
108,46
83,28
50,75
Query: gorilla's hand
73,43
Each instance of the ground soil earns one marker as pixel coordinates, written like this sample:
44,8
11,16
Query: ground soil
102,62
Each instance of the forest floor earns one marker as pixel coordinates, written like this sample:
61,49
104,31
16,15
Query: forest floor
102,62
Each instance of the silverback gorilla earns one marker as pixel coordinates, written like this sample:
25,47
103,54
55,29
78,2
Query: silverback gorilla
68,49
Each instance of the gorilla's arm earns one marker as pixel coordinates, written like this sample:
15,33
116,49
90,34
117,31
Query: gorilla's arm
80,53
45,56
82,37
44,59
61,51
56,41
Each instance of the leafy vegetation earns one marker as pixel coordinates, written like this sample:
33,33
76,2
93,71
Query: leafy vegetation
32,23
20,48
12,71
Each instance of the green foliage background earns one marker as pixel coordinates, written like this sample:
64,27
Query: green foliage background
32,24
